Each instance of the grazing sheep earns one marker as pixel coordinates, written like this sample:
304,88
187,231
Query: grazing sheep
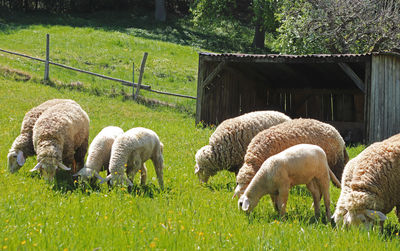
131,150
299,164
22,146
99,153
297,131
60,139
370,185
227,145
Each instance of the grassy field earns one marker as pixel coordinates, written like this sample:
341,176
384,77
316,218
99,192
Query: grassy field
186,215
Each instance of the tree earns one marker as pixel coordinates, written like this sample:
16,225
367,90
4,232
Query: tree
338,26
257,13
160,12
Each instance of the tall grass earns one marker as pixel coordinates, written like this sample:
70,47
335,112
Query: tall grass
185,216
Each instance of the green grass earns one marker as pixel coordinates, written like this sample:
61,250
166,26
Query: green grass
186,216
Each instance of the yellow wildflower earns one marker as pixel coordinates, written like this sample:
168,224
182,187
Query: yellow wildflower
23,242
4,247
152,245
35,244
105,217
6,239
182,227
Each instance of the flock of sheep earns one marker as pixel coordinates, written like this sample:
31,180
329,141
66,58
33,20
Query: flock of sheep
268,151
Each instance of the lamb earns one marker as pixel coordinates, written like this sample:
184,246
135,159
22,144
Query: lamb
22,146
131,150
297,131
370,185
299,164
99,153
60,139
227,145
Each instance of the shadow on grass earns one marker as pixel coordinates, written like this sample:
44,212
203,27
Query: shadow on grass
230,186
139,23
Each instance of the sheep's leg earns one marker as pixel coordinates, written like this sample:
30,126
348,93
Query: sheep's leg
274,202
281,200
143,175
314,189
158,166
324,185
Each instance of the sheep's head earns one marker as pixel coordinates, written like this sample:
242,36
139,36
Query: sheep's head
48,167
15,160
365,217
117,178
246,204
242,181
87,174
203,165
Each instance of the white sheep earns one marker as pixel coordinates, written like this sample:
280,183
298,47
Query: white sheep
227,145
131,150
60,139
99,153
370,185
297,131
22,146
299,164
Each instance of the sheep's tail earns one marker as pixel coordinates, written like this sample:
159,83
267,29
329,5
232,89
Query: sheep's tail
334,179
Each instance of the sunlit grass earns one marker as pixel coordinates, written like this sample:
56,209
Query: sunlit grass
185,216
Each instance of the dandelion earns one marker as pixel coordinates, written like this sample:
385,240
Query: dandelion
123,188
116,173
105,217
35,244
75,181
65,249
397,233
6,239
182,227
126,165
7,221
140,170
201,233
4,247
326,245
23,242
152,245
39,224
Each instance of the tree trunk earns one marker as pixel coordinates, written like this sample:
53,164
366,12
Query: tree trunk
160,13
259,37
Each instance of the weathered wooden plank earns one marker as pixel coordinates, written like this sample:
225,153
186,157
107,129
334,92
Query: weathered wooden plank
397,96
200,90
367,102
213,74
351,74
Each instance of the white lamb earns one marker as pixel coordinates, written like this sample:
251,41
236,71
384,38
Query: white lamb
60,139
99,153
22,146
371,185
131,150
299,164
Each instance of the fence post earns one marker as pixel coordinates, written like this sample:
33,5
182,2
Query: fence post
133,80
46,65
141,74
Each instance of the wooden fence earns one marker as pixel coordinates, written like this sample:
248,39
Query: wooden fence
138,85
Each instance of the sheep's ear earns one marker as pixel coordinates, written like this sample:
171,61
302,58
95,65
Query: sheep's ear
84,172
375,215
197,169
37,167
97,175
64,167
246,204
106,179
237,189
20,158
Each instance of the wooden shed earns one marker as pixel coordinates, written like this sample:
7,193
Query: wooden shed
359,94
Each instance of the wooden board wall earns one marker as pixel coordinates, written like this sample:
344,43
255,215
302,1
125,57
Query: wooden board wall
384,104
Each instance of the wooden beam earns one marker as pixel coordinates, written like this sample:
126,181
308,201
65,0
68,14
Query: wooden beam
213,74
347,69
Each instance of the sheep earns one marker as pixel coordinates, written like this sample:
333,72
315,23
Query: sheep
60,139
22,146
99,153
370,185
299,164
227,145
297,131
131,150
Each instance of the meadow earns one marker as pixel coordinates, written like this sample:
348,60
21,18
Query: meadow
186,215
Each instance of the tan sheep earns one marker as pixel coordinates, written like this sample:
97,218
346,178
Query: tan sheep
297,131
227,145
299,164
60,139
370,185
22,146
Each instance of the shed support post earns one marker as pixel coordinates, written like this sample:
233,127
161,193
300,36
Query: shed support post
347,69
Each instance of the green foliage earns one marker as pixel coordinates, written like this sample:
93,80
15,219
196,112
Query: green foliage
35,214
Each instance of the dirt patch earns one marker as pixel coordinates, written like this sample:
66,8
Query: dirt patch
17,75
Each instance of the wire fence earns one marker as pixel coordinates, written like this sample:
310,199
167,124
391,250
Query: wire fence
132,84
